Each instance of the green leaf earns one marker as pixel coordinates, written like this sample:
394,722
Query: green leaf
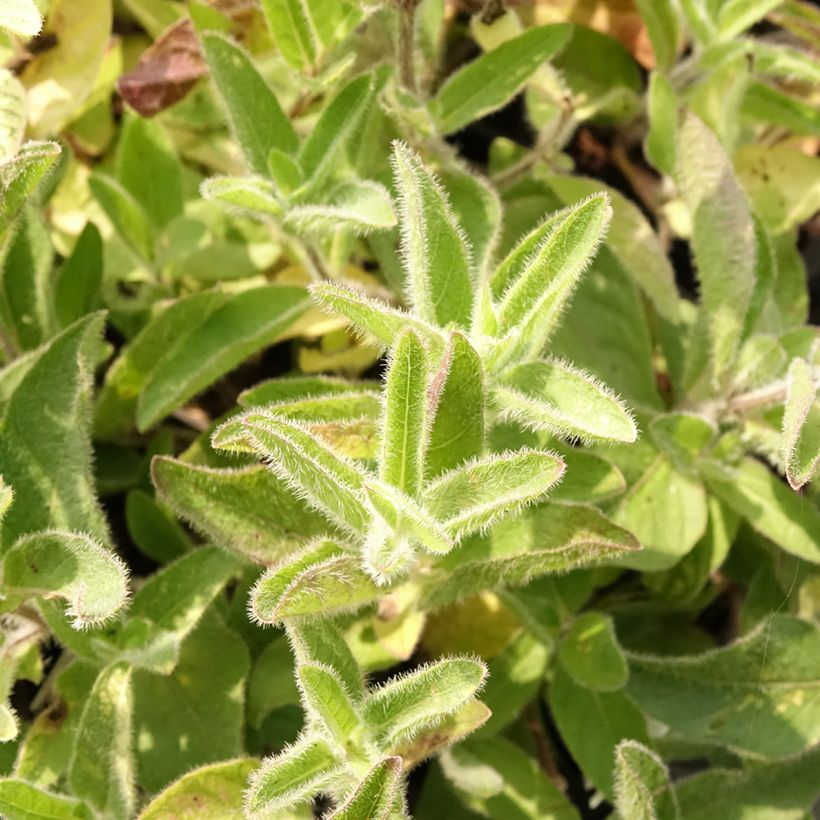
682,438
435,251
662,21
101,771
457,398
153,529
660,144
326,699
406,705
801,425
243,325
293,31
248,511
323,578
533,284
20,175
336,127
666,509
360,206
289,778
128,217
327,481
590,653
552,538
496,779
319,641
72,566
375,796
755,695
194,715
77,290
768,104
642,787
23,801
376,320
52,398
254,112
213,792
494,78
285,171
405,423
21,17
723,238
12,115
575,709
556,398
149,170
735,16
588,478
256,197
294,388
475,496
757,495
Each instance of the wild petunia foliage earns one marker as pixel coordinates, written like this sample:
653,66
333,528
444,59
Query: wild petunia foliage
409,409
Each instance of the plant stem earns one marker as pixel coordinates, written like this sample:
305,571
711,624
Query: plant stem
407,37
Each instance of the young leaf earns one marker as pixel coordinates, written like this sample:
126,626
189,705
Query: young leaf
458,403
256,197
404,423
20,800
375,797
72,566
735,16
662,20
289,778
361,206
723,237
101,771
326,699
20,175
246,323
642,787
319,641
801,425
257,118
126,214
324,479
294,388
293,30
475,496
591,654
404,706
533,284
323,578
21,17
436,255
550,396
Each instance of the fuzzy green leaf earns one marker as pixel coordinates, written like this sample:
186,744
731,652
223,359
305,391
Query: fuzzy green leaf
246,323
319,641
662,20
293,30
375,796
735,16
494,78
801,425
591,654
642,787
289,778
77,290
556,398
20,800
326,699
323,578
257,118
361,206
295,388
405,423
101,771
660,144
72,566
256,197
20,175
475,496
12,115
126,214
404,706
436,255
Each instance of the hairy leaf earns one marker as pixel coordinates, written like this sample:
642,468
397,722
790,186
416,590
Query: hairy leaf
375,796
20,175
20,800
642,787
590,653
326,699
801,425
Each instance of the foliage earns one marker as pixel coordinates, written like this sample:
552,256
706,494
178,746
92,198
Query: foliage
513,443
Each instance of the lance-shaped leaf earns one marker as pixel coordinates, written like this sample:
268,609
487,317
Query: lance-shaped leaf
319,641
101,770
324,578
801,425
249,511
20,176
475,496
457,402
387,556
127,216
20,800
293,30
557,398
591,654
360,206
72,566
326,480
376,320
436,255
723,237
21,17
735,16
534,283
246,323
326,700
663,25
289,778
660,143
404,706
552,538
254,197
375,797
291,389
254,112
487,83
337,124
404,421
757,695
642,787
77,290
